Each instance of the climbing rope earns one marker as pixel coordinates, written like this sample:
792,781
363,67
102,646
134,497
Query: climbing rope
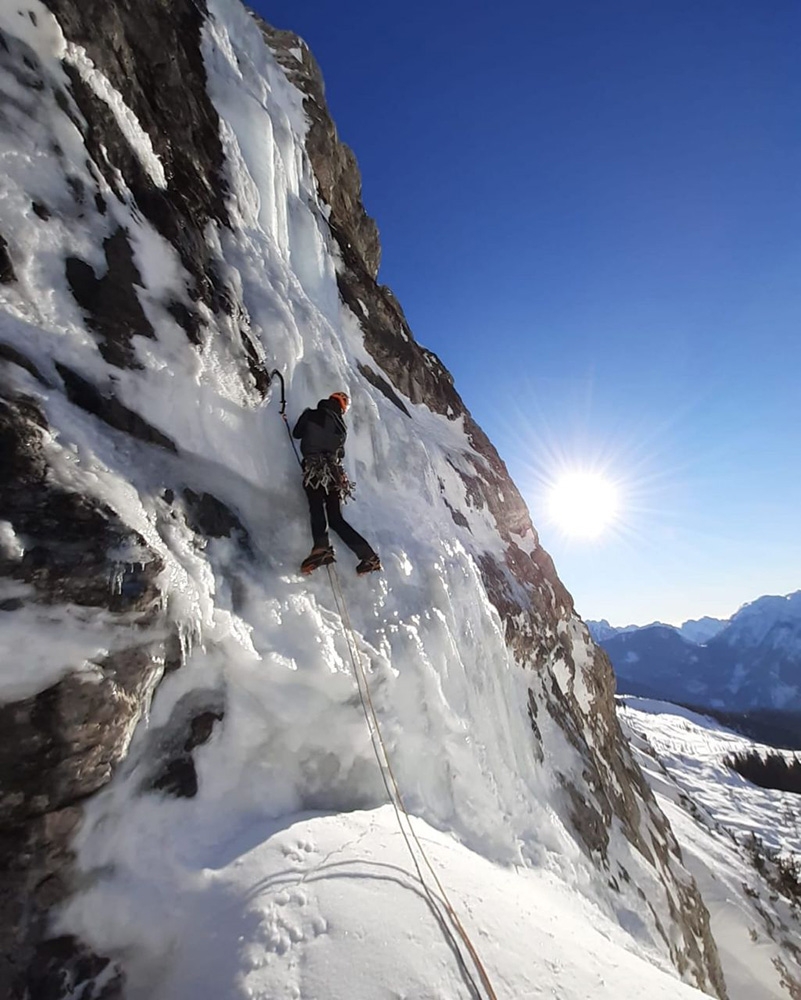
394,792
388,775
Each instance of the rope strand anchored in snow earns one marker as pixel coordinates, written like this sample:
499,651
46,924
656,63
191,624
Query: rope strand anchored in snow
394,792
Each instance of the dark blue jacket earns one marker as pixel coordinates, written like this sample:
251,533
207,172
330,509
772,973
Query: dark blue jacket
322,430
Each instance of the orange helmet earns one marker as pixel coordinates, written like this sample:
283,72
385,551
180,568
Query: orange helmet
342,398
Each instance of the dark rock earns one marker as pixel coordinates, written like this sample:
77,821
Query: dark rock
9,353
206,515
7,274
415,372
71,540
145,50
23,68
113,309
239,593
33,859
457,515
63,103
190,726
58,747
201,727
178,778
63,744
223,297
173,652
532,711
78,188
110,410
257,367
383,386
187,319
63,967
588,820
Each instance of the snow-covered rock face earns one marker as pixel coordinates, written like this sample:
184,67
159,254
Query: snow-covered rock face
178,219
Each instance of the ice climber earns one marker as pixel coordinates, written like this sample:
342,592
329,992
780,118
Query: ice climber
322,434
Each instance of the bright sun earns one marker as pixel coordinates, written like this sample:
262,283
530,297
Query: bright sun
583,504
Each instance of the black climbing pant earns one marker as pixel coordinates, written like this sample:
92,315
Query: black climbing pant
326,512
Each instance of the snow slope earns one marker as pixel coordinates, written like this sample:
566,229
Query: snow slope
327,906
258,858
715,813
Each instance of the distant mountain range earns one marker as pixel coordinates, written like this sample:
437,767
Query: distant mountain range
750,662
697,630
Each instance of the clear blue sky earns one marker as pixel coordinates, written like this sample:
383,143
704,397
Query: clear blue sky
592,212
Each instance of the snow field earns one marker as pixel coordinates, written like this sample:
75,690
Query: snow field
693,748
713,811
325,907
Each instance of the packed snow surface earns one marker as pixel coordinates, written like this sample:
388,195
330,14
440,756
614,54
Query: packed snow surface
327,907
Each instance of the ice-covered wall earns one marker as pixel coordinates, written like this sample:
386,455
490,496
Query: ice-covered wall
178,218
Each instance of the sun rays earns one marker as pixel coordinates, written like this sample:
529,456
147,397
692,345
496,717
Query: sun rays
583,504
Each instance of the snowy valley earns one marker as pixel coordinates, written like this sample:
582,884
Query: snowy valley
190,800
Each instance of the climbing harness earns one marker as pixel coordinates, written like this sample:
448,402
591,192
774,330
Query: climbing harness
437,900
325,472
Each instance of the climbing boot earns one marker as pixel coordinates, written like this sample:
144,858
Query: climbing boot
371,564
321,556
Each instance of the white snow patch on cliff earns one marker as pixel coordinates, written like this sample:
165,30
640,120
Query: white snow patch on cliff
34,24
11,546
130,127
40,644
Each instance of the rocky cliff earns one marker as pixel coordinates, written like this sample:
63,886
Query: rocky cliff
180,218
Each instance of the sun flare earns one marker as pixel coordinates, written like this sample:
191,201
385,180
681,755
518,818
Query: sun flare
583,504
